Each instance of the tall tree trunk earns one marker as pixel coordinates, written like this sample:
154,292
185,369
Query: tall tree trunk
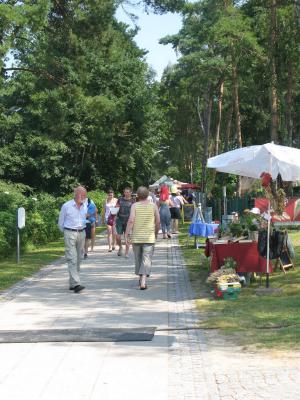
228,128
236,103
191,169
205,127
274,94
289,103
219,117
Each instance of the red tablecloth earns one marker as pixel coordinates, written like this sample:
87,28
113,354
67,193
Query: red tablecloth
245,254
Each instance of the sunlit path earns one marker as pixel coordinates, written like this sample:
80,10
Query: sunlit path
179,363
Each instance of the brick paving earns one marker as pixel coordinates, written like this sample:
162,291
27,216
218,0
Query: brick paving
213,368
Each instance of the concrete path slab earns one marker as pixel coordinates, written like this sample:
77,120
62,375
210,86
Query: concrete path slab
178,364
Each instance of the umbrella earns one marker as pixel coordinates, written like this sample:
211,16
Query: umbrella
252,161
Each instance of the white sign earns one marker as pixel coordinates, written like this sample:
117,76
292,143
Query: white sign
21,217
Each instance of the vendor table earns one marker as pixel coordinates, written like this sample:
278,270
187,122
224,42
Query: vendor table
202,229
245,254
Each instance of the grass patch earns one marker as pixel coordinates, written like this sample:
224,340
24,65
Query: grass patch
263,321
33,260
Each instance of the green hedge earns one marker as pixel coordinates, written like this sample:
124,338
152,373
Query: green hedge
42,212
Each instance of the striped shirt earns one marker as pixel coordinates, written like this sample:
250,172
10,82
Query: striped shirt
144,224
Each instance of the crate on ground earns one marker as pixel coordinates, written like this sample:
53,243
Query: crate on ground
227,291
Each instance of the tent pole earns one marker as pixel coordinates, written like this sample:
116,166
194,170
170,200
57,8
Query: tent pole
268,245
268,231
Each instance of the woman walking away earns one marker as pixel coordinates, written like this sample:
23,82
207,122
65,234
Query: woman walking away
109,219
164,211
143,226
90,228
178,202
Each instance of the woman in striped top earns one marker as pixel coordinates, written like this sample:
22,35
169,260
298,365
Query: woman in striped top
142,228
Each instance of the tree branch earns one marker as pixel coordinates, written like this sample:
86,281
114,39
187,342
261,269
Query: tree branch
46,74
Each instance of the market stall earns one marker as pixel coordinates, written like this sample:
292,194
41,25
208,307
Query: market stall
203,229
245,254
267,162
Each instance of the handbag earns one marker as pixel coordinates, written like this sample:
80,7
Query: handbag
111,219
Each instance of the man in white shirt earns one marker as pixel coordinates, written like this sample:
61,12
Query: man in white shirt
72,220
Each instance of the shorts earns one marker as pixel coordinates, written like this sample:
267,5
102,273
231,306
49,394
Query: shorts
120,227
175,213
88,231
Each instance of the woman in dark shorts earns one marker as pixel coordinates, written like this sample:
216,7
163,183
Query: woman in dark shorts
177,201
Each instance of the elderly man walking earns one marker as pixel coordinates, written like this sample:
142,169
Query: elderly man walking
143,226
71,222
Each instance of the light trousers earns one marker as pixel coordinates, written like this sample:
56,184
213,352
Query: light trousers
143,253
74,245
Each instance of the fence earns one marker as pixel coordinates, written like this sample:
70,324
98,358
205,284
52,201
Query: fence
238,204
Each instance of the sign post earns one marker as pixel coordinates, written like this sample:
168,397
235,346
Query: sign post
20,225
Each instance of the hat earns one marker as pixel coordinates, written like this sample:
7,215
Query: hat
174,189
255,210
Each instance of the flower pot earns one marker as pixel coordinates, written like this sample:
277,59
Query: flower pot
253,235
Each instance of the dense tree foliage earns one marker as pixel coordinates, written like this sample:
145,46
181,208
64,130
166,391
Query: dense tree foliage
236,83
79,104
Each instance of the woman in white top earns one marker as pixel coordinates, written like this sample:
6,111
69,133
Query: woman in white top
109,219
178,202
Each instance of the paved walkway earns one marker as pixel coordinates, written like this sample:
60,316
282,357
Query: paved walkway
179,363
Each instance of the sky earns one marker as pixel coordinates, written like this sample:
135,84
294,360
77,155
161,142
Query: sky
152,28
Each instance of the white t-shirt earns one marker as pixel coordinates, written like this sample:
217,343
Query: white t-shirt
177,201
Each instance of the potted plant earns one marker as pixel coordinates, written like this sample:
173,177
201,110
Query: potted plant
236,229
225,283
253,232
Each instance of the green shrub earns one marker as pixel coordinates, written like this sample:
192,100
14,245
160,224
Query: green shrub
42,211
4,245
98,197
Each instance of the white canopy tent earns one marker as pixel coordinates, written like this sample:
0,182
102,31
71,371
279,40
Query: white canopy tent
166,180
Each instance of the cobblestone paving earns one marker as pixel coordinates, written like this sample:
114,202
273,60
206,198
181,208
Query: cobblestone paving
202,365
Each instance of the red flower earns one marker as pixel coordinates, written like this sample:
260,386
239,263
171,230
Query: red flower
265,179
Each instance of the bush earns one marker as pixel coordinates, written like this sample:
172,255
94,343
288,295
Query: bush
98,197
41,217
4,245
42,211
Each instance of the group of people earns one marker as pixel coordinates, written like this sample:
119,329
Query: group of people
117,211
137,218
